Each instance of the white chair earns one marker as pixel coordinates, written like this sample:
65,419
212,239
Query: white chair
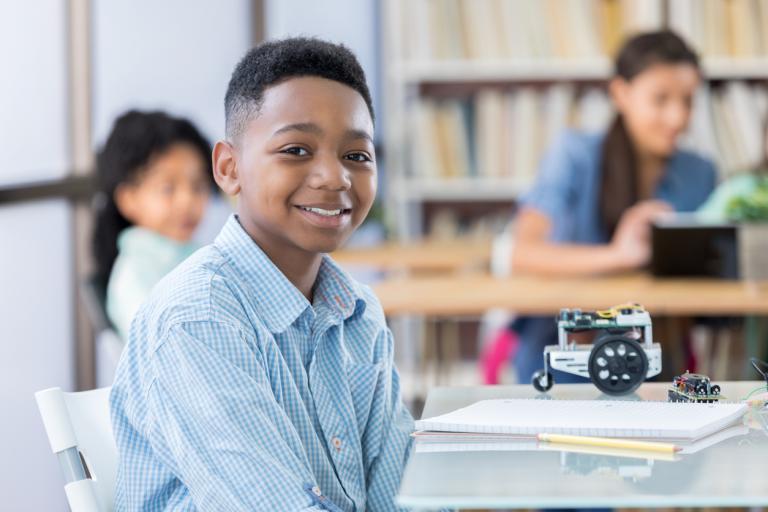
80,432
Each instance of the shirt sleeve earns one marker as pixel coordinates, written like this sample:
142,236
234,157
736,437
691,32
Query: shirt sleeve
214,421
553,188
386,470
707,179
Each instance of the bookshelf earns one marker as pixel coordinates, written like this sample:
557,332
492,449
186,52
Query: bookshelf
472,189
522,70
529,70
462,71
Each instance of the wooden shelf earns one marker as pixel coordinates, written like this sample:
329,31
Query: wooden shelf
473,294
565,70
728,68
460,189
449,71
421,256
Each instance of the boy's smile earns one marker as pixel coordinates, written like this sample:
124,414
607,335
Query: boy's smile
304,169
327,215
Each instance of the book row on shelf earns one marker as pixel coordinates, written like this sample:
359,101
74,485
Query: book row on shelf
575,29
519,29
722,28
501,134
729,125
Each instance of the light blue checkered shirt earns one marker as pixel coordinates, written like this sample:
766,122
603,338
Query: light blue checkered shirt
235,393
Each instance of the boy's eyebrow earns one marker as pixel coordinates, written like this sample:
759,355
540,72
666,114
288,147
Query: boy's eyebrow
301,127
359,134
316,130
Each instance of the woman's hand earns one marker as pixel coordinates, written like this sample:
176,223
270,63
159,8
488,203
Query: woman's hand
631,243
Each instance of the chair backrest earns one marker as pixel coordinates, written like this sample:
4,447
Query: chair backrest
79,429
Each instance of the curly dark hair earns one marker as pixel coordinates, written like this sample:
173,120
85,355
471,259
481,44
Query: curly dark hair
275,61
136,138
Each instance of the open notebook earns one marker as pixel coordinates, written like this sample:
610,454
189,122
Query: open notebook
449,442
610,418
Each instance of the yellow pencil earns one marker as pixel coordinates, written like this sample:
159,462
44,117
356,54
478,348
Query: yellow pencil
606,442
613,452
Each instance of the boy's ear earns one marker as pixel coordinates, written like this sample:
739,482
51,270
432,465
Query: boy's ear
225,168
125,199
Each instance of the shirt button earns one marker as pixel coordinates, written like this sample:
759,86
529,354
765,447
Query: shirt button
317,492
336,443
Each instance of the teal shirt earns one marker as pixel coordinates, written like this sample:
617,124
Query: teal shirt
144,258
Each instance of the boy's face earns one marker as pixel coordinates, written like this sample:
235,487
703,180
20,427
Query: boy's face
304,167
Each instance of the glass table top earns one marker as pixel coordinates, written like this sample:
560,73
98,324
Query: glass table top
732,471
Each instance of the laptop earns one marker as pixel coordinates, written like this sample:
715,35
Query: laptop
685,246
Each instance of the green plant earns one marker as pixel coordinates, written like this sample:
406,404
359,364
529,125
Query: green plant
752,207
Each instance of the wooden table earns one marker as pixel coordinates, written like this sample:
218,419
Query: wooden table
473,294
425,256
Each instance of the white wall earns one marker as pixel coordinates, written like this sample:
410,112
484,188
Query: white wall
33,109
175,55
36,331
36,348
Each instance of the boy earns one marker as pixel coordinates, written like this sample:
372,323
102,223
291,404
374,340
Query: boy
260,376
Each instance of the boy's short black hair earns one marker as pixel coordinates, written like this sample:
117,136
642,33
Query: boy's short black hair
275,61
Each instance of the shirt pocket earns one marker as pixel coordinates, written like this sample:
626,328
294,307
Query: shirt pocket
363,380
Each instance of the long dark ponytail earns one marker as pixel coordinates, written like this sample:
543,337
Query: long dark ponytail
619,173
136,138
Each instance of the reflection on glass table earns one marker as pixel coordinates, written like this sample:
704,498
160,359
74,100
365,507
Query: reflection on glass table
727,468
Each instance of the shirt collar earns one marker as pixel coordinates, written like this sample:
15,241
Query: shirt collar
337,290
278,301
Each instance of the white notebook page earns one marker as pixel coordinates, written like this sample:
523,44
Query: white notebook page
611,418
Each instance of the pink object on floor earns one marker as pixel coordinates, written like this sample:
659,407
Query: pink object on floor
497,354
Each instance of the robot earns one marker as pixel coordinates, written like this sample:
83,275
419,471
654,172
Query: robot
623,354
693,387
626,468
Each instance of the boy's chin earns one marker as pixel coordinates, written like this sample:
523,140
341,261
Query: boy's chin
324,245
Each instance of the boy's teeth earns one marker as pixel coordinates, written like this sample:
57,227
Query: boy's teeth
320,211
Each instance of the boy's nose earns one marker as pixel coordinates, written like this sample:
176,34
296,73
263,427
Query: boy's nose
330,174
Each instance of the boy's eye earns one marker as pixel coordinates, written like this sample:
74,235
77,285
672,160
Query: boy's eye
359,157
296,150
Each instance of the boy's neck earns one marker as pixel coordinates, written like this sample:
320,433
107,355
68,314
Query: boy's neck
302,272
300,267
